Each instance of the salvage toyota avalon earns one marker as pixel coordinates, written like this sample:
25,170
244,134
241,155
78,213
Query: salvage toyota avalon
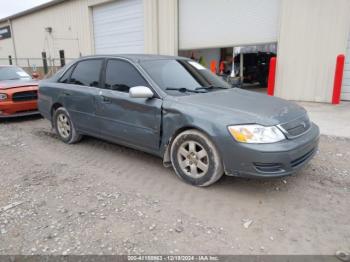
176,109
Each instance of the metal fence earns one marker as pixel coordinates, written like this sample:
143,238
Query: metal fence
44,67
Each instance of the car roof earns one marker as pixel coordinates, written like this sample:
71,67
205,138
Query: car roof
138,57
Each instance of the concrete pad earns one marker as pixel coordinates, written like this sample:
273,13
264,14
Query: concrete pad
333,120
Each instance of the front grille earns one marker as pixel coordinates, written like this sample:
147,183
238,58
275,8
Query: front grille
296,127
297,162
25,96
268,167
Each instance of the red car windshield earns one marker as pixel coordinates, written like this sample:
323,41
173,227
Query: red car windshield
13,73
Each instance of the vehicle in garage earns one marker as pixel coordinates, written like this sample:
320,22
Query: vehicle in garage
18,92
176,109
255,67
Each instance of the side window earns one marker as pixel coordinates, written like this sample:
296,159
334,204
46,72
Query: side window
121,76
87,73
65,77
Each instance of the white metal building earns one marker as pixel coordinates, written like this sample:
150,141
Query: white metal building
309,34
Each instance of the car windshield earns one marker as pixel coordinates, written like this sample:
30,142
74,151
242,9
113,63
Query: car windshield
13,73
183,77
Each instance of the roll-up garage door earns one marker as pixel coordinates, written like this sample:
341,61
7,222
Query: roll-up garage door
346,80
119,27
223,23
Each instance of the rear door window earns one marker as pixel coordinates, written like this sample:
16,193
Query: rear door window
87,73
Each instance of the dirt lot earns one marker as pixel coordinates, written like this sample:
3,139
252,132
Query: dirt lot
100,198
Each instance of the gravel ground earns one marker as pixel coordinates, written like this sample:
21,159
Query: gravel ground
100,198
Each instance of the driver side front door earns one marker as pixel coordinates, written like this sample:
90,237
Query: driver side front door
132,121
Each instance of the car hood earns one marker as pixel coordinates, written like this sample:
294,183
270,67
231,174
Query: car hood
245,106
7,84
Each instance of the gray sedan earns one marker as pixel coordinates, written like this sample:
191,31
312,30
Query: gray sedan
176,109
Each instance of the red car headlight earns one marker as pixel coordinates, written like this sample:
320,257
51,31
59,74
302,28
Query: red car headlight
3,97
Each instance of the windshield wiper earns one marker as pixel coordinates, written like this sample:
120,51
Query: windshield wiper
211,87
183,90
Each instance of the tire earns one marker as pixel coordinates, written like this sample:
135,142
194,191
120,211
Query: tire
64,127
196,159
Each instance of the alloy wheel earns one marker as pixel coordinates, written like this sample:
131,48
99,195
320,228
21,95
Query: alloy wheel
63,126
193,159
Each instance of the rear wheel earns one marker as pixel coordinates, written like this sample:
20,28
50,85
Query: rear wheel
195,158
64,126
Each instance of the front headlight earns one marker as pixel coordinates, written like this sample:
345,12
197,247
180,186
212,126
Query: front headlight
256,134
3,97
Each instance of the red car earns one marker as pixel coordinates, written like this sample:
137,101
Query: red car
18,92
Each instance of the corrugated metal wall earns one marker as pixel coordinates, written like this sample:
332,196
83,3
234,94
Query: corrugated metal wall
70,31
161,27
6,46
312,34
72,25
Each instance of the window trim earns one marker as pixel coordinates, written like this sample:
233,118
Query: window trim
65,71
103,82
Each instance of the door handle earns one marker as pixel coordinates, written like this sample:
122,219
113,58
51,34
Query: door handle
66,93
106,99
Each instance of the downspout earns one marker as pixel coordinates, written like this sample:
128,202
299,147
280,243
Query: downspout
13,41
177,26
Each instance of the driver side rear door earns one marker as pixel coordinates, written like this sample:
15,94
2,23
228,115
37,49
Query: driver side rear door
78,91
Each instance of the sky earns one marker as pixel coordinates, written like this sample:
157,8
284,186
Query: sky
10,7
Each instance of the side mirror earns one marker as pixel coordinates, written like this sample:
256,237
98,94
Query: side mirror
35,75
140,92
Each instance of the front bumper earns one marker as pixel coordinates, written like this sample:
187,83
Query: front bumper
273,160
16,109
27,113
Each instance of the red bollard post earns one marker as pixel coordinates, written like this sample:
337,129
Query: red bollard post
213,66
272,76
338,79
222,67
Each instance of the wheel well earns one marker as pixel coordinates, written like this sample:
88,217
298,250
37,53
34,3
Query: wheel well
166,156
55,107
179,131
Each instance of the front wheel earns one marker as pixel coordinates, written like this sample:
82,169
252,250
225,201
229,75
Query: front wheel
64,127
195,158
